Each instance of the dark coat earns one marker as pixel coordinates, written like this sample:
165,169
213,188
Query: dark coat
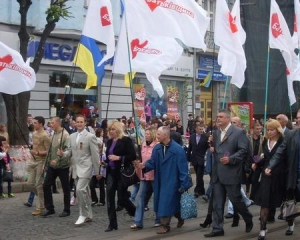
236,144
176,137
171,174
124,148
196,152
289,152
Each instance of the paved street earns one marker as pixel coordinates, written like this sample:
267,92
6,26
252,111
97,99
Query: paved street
16,222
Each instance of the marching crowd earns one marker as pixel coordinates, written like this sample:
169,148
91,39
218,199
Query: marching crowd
84,153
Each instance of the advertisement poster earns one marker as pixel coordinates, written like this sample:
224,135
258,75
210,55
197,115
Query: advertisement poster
139,96
172,102
243,110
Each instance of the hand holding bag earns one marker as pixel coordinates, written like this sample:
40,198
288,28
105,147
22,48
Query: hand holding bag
128,174
8,176
188,206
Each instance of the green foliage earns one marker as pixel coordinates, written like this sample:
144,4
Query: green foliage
56,11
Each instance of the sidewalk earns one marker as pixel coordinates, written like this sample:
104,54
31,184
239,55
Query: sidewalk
16,222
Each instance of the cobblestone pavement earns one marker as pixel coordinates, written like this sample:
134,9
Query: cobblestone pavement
17,223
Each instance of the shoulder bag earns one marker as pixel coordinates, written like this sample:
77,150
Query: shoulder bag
8,176
128,174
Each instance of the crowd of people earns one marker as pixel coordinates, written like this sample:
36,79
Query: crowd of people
84,153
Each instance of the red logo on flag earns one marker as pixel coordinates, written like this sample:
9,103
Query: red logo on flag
136,47
7,59
232,23
104,16
275,26
154,3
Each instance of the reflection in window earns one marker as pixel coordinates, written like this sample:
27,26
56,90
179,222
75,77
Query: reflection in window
69,95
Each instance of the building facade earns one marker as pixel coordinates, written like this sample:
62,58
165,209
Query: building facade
61,85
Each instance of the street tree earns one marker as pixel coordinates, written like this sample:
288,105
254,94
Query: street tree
17,105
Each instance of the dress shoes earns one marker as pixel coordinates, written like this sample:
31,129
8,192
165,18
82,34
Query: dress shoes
109,229
235,222
27,204
64,214
249,226
81,220
228,215
47,213
214,234
119,208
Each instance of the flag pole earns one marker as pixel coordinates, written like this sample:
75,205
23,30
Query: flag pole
137,128
267,85
225,92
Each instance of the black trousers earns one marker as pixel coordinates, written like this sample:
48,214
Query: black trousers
101,184
113,184
219,197
199,189
63,175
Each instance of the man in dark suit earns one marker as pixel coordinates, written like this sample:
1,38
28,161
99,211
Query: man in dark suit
198,145
231,145
175,135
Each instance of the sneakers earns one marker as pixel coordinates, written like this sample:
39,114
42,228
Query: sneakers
2,196
37,212
11,195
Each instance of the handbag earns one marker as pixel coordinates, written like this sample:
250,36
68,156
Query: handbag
288,210
128,174
8,176
188,206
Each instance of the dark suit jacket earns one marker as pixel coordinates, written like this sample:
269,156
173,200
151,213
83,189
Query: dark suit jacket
196,152
176,137
124,148
288,151
236,144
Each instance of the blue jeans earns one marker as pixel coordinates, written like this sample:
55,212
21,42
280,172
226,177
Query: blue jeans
247,201
140,204
31,198
135,189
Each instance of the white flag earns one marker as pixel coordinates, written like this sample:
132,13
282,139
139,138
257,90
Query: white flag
15,75
184,20
280,36
297,20
148,54
100,13
291,93
230,36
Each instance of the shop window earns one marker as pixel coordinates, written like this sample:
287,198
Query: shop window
68,94
172,103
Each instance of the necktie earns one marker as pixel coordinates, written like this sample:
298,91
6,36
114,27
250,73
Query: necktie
197,138
78,137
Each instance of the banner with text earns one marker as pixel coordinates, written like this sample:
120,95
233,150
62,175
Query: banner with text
172,102
139,96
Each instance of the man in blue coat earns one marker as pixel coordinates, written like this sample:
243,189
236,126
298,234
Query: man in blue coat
171,178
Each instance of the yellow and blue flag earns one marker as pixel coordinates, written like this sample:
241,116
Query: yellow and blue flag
207,80
87,57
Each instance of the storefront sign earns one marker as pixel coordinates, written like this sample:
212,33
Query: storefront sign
217,76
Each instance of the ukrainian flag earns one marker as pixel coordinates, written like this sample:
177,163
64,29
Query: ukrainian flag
87,57
207,80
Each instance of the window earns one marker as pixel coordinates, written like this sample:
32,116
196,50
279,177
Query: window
70,95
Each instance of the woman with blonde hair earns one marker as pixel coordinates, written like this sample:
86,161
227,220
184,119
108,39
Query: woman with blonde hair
147,180
271,190
118,148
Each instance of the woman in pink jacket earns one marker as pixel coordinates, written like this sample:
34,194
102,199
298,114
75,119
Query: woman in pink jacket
146,180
